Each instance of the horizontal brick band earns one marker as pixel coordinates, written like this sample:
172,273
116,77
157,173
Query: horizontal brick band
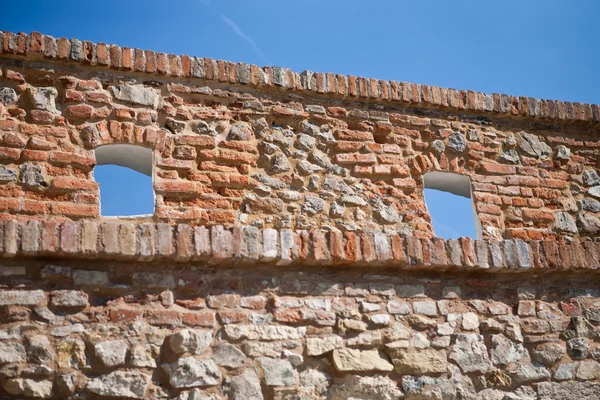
37,46
147,242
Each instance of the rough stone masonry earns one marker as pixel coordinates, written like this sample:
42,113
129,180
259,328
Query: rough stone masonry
290,254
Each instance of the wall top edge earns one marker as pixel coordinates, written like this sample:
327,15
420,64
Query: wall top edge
37,46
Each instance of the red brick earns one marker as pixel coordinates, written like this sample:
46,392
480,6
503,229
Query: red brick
336,245
523,181
9,154
50,236
164,318
538,215
571,309
397,244
82,111
58,157
493,168
175,163
9,204
233,316
253,302
35,42
199,318
221,216
233,157
293,316
351,247
67,183
35,207
186,65
288,112
161,63
174,65
345,134
367,248
489,209
115,56
468,249
125,314
89,84
63,47
102,54
320,246
356,158
73,95
75,210
70,237
150,61
404,183
197,141
183,187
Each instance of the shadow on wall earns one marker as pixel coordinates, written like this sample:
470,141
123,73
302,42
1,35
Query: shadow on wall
448,199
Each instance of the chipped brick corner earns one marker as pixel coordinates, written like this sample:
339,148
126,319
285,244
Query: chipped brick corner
290,254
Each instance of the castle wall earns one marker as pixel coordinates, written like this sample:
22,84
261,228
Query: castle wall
290,254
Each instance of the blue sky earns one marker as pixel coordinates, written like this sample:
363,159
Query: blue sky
544,49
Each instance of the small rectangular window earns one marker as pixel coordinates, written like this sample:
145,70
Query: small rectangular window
448,199
124,174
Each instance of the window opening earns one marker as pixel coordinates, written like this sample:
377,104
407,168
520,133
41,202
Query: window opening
448,200
124,174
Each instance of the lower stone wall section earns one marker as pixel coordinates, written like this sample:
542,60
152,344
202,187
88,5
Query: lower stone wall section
98,330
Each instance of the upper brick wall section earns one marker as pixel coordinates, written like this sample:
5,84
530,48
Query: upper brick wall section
239,145
37,46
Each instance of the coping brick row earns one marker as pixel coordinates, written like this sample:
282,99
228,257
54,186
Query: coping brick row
37,46
147,242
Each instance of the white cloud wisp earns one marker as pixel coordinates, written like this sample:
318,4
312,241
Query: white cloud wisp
245,37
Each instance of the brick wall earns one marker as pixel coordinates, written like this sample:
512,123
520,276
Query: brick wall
291,254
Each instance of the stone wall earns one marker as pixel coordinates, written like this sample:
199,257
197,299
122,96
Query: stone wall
290,254
174,330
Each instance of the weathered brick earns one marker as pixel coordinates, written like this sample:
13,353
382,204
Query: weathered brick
128,239
147,235
164,318
91,278
89,237
153,280
164,236
199,318
125,314
221,242
202,245
382,246
53,272
30,239
70,237
69,298
109,238
287,242
50,237
184,242
367,248
11,238
21,297
320,246
269,244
